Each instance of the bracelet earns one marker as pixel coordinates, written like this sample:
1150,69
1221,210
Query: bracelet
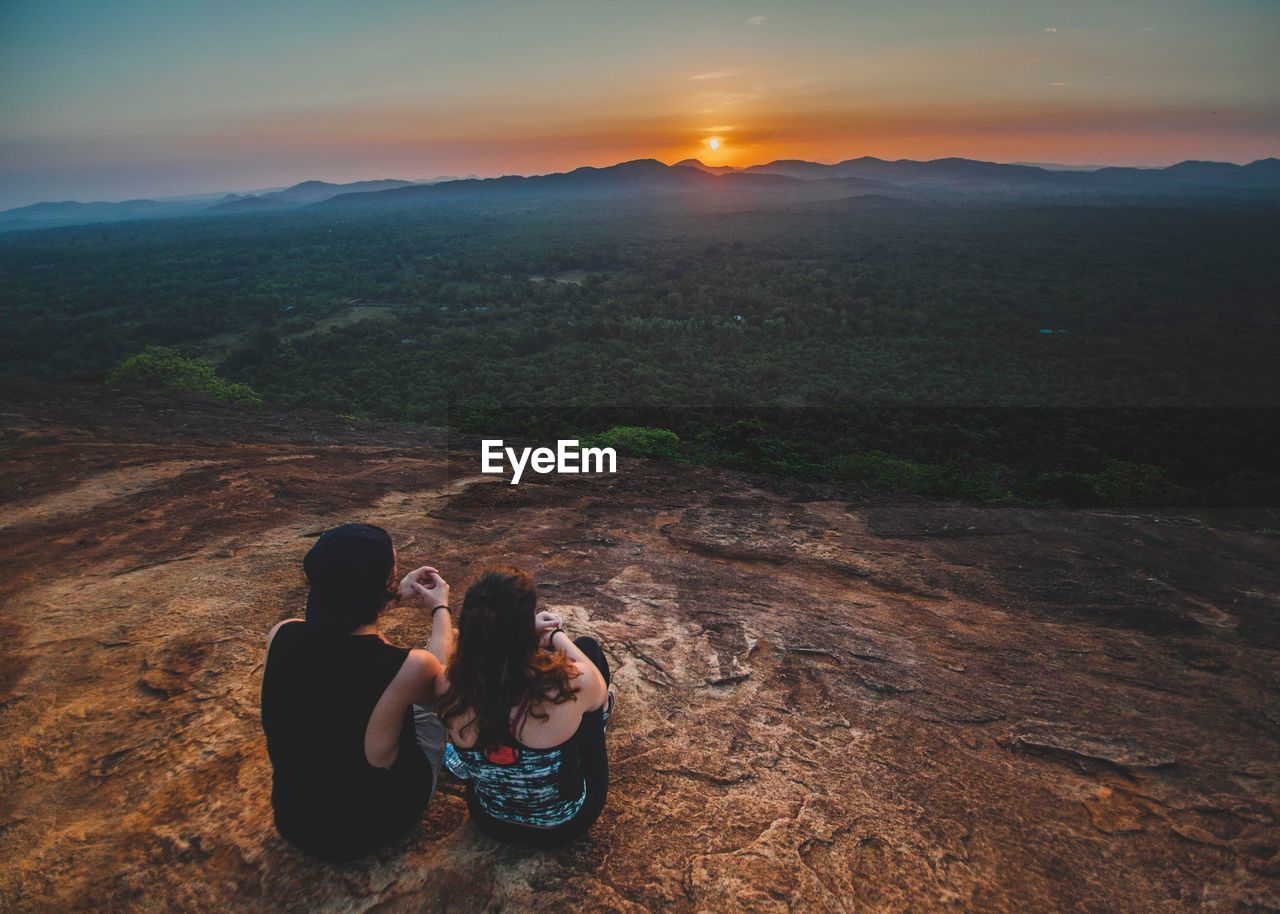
435,609
551,635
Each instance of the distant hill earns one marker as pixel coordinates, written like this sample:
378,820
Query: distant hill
1260,174
788,179
937,171
638,178
305,193
70,212
709,169
1059,166
51,215
961,173
635,178
796,168
246,205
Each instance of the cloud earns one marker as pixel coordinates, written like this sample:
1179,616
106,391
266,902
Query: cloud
1150,28
1059,85
1052,28
720,100
756,20
715,74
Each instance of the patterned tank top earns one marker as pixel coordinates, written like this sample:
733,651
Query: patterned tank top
536,787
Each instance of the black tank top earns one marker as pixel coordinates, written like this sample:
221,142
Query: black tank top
318,693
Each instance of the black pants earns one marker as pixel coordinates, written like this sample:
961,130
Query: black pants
595,771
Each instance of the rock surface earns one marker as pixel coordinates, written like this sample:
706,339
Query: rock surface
829,701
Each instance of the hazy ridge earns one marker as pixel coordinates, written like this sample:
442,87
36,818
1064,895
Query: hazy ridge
784,177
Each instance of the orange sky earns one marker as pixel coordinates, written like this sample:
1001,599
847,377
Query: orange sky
150,97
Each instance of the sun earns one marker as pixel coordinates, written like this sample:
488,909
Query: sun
714,142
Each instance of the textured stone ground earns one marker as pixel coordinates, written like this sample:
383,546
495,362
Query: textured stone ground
830,701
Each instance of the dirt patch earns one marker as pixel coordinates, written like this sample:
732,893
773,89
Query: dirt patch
98,490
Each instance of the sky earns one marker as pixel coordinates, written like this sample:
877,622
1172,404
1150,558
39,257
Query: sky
148,98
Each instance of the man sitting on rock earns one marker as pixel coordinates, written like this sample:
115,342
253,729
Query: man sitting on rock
355,753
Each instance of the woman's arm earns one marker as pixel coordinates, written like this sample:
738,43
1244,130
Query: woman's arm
593,689
440,645
411,685
434,590
427,583
442,634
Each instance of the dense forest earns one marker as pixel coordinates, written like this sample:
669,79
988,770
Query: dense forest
1036,351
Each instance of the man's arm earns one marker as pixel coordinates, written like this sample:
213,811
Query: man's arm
271,635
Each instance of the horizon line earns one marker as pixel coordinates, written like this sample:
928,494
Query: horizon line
445,179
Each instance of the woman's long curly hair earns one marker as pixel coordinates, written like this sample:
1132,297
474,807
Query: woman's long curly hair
497,663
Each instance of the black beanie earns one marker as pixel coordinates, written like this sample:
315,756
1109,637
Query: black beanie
347,568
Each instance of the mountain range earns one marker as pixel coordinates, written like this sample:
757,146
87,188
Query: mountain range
786,178
300,195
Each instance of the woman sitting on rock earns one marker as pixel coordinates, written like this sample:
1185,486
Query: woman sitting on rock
525,708
354,751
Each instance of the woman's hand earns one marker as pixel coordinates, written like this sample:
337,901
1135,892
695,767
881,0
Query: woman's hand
545,623
426,583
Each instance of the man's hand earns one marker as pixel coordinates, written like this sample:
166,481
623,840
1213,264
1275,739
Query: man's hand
426,583
406,583
545,623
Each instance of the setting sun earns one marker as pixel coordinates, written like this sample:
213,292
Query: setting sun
714,142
